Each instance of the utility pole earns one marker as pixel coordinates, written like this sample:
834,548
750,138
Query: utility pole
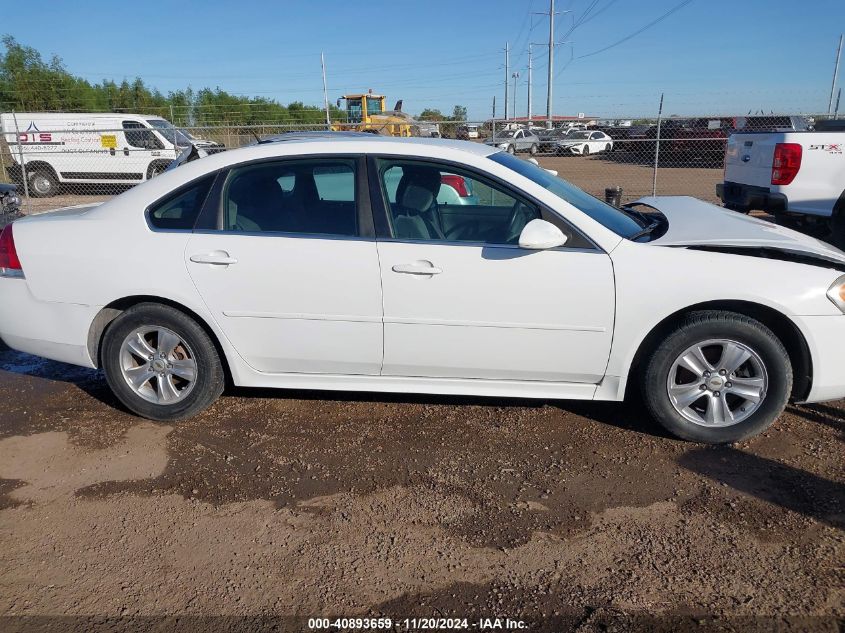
551,44
507,75
325,92
515,77
835,73
530,108
551,63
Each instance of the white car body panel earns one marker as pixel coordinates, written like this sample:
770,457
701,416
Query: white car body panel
548,324
323,317
497,312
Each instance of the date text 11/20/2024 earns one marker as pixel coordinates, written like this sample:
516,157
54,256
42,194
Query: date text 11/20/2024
417,624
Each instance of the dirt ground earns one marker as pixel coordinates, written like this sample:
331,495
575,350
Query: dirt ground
273,507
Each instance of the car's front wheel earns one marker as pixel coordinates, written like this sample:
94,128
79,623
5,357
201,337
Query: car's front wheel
160,363
511,149
719,377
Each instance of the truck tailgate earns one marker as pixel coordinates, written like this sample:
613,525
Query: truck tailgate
748,158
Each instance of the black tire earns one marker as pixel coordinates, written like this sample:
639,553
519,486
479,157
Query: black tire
585,151
210,379
511,149
533,150
702,326
42,183
157,168
608,147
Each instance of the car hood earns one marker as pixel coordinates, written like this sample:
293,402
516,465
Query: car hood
694,223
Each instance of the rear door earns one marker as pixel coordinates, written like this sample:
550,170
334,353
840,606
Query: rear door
291,275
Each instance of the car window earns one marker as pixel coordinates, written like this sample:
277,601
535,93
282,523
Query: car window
435,202
606,215
140,136
179,211
292,196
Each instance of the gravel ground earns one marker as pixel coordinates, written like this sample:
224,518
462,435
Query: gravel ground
272,507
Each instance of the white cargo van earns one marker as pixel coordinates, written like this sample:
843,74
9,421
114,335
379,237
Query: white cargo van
60,148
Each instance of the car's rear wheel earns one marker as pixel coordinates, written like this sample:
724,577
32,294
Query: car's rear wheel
160,363
607,147
719,377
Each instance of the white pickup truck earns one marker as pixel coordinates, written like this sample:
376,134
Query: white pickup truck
799,177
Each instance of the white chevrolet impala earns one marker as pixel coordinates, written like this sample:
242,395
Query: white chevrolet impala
328,263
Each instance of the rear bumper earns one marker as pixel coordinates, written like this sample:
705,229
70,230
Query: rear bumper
58,331
745,198
825,336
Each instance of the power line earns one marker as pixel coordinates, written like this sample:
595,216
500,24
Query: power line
677,7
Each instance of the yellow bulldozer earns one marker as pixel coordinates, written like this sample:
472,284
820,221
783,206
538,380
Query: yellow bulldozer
367,113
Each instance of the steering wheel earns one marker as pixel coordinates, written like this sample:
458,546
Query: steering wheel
516,223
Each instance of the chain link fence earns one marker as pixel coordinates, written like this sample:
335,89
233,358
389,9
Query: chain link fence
62,160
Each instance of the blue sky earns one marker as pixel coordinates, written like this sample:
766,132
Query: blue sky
710,56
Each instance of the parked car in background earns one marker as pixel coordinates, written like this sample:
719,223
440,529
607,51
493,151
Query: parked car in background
799,177
513,141
536,289
93,148
550,137
584,142
466,132
771,123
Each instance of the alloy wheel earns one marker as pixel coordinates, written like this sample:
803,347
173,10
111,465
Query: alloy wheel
717,383
158,365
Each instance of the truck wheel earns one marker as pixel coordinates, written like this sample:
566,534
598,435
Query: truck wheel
43,183
720,377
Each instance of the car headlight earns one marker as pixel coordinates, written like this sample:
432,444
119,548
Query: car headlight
836,293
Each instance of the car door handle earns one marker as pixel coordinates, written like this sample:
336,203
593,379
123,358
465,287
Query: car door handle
417,268
217,258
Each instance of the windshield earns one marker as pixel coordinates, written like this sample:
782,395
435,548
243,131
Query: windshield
577,135
505,134
606,215
172,134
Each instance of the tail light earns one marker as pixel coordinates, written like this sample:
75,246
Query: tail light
455,182
10,265
786,163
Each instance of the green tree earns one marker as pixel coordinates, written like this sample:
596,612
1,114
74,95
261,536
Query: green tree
459,113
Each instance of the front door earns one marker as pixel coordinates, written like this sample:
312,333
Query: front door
292,277
462,300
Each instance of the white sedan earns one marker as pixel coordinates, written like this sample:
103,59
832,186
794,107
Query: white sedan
584,142
292,264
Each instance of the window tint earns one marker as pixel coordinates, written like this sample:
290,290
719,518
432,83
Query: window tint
138,135
307,196
180,210
442,203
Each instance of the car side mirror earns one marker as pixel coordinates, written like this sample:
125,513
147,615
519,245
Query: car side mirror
540,234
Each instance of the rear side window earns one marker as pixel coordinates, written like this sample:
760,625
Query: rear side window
180,210
312,196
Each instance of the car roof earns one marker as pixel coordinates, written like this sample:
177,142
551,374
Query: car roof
345,142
